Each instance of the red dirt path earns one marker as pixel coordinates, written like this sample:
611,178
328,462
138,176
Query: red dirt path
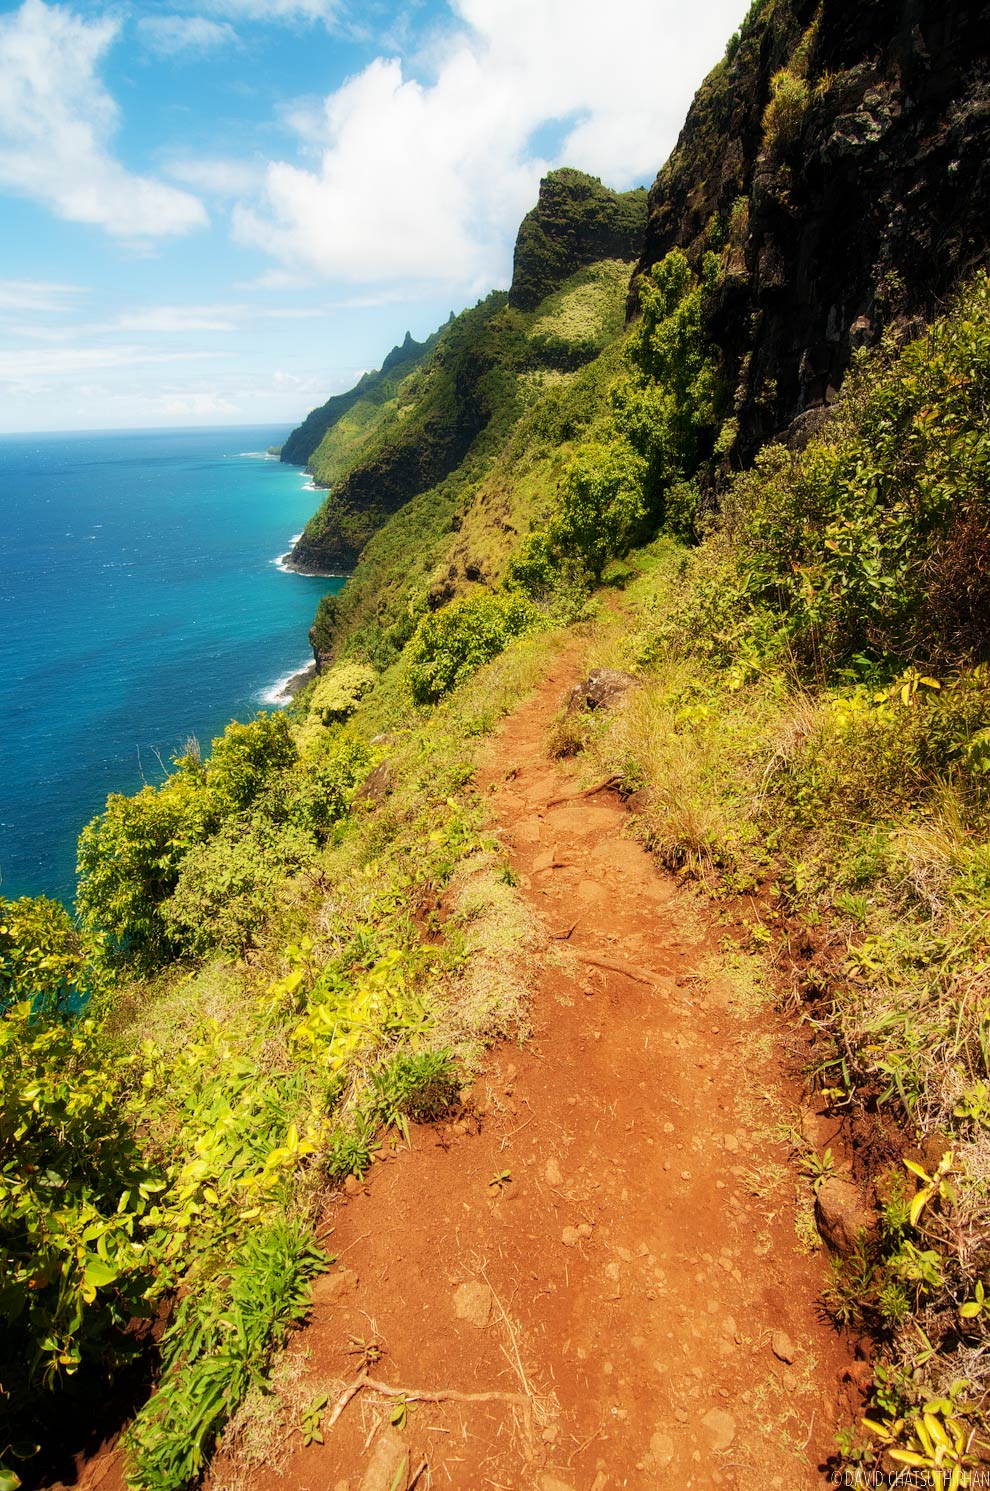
637,1265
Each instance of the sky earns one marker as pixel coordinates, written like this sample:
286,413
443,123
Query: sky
223,211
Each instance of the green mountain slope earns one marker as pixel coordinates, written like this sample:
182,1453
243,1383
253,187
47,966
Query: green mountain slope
475,380
360,402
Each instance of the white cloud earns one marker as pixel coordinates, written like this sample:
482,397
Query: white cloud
24,371
56,122
275,11
37,295
171,35
175,318
421,182
218,177
192,405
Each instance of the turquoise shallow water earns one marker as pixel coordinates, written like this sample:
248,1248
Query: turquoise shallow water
141,602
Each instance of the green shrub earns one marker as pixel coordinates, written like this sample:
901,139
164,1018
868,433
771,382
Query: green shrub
42,956
338,692
228,887
129,859
130,856
74,1190
245,758
421,1085
449,645
217,1347
601,507
784,114
875,541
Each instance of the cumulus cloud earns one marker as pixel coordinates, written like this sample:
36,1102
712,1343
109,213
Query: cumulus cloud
172,35
425,181
56,123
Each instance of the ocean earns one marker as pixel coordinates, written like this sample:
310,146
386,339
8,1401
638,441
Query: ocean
141,602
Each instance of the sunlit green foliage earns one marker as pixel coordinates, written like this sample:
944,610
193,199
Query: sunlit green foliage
75,1192
217,1347
338,691
452,643
42,957
131,855
632,478
876,540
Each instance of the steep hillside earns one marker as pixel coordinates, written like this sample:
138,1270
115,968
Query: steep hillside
839,152
478,376
361,401
576,221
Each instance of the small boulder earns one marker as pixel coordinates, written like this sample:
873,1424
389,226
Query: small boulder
661,1451
473,1303
378,785
388,1469
720,1429
782,1346
842,1216
602,689
327,1289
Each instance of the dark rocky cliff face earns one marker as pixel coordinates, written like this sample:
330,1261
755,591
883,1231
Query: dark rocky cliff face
858,200
576,221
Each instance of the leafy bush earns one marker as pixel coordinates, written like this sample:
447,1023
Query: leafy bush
421,1085
74,1193
876,539
129,860
130,856
451,644
670,407
244,760
229,886
42,956
338,692
216,1348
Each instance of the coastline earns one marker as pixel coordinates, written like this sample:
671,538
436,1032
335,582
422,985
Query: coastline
285,689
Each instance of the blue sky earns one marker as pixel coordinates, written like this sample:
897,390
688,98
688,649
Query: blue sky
222,211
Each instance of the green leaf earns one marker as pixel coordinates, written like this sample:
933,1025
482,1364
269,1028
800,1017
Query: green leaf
98,1273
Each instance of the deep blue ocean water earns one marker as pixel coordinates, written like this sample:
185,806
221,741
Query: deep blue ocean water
141,603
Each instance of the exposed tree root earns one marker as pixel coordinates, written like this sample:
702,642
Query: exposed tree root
602,786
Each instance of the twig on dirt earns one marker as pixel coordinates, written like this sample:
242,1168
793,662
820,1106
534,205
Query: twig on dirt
603,786
421,1467
512,1337
350,1391
364,1236
811,1429
563,934
419,1395
611,967
590,1440
507,1137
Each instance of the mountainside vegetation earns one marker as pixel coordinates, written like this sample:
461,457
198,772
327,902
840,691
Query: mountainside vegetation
359,402
296,946
442,416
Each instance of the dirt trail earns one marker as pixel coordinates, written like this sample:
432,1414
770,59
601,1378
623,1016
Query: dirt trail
608,1248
